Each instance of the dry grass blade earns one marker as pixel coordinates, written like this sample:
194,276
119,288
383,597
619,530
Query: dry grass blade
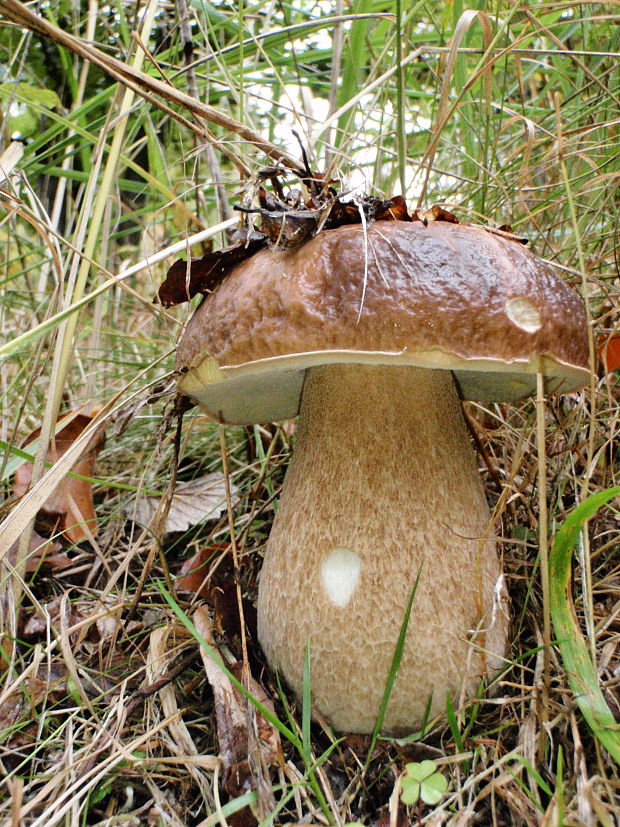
537,24
162,641
444,110
249,745
52,322
543,549
9,159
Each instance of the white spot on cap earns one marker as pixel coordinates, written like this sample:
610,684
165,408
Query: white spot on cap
340,574
523,314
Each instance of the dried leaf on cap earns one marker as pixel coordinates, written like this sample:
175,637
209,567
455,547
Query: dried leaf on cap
507,232
436,213
287,220
203,275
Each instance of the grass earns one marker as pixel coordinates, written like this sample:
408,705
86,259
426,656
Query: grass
505,112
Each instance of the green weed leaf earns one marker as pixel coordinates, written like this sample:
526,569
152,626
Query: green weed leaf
31,94
422,781
581,672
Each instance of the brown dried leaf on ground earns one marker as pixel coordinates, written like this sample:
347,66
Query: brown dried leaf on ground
70,507
210,574
42,552
249,746
197,574
203,498
47,686
38,622
10,711
609,352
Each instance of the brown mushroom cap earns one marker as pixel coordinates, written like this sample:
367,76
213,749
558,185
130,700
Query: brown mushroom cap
448,296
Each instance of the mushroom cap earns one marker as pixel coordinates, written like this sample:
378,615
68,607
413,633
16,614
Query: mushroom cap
447,296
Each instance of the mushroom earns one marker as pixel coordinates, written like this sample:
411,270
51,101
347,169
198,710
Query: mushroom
372,334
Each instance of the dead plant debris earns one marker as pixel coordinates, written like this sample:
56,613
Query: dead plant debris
203,498
69,510
287,220
249,746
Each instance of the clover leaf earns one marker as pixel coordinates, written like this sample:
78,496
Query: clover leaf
422,781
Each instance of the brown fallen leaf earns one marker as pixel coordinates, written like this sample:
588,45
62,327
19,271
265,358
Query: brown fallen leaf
38,622
195,575
70,507
210,574
203,498
42,552
47,686
609,352
249,745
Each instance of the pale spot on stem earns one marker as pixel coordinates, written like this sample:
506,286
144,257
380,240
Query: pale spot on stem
340,574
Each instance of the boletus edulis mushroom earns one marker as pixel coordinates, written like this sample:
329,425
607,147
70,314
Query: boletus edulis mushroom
372,334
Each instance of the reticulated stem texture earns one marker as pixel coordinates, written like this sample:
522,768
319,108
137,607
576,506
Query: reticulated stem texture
383,480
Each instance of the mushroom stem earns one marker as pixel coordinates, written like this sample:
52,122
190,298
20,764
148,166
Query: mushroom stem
383,484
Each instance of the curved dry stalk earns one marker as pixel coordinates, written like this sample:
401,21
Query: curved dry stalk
444,111
145,85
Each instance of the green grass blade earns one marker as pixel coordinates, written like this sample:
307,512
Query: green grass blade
559,785
454,725
401,140
526,790
354,65
306,707
581,672
535,774
398,656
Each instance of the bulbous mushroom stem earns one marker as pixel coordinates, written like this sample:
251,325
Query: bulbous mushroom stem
383,480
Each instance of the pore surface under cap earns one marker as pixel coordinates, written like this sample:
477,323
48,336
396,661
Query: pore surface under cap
444,296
